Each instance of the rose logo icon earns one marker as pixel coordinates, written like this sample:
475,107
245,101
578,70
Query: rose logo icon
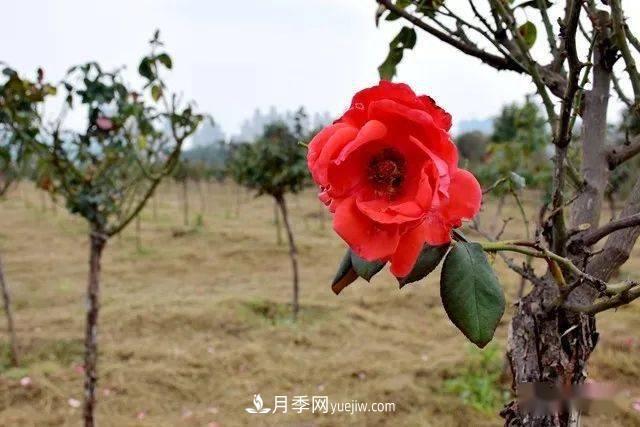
258,406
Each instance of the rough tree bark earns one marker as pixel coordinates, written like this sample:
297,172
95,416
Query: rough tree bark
155,207
293,253
185,202
276,221
138,233
97,243
6,300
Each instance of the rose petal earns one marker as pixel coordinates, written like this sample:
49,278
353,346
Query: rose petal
437,232
357,114
373,130
409,248
417,123
349,169
465,196
319,143
381,211
369,241
440,116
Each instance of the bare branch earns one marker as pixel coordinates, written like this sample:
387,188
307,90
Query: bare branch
497,62
587,207
495,185
489,36
619,244
542,6
619,154
525,271
168,167
480,17
619,28
563,131
632,38
618,300
533,67
562,136
623,97
593,236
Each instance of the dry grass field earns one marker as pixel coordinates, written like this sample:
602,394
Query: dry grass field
196,321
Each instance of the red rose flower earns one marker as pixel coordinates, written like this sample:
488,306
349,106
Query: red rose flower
388,171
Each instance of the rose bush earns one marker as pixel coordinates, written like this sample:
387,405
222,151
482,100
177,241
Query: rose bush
388,171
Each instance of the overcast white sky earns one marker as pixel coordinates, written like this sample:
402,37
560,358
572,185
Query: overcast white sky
234,57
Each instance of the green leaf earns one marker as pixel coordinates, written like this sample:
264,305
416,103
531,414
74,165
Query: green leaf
405,39
428,260
9,72
470,292
156,92
392,16
402,4
365,269
529,33
533,4
429,7
165,60
387,70
145,69
345,274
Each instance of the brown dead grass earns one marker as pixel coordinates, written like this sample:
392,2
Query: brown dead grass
192,326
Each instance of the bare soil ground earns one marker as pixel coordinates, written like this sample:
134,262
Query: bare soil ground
196,321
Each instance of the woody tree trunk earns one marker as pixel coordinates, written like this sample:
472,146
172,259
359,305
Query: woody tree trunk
124,187
97,243
568,337
6,300
185,202
155,207
293,253
138,232
276,221
553,330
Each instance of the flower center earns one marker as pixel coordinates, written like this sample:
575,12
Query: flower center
386,172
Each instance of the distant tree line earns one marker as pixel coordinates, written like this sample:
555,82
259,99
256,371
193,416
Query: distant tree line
520,143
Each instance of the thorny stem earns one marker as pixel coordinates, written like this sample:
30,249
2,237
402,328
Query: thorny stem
6,299
534,250
97,243
508,18
542,6
620,293
621,41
